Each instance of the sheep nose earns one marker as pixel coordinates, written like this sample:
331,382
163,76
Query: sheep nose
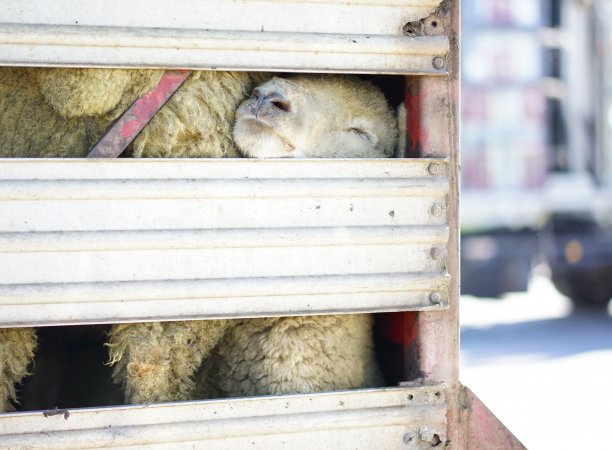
271,103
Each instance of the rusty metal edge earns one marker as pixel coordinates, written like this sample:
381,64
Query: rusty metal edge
483,430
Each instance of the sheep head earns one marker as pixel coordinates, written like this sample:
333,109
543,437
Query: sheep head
316,116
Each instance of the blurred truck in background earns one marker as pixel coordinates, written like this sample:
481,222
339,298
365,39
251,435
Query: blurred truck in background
537,156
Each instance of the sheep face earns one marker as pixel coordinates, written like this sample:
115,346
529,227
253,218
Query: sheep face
314,117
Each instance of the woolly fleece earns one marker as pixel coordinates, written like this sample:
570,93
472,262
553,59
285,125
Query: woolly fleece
64,112
17,347
155,361
287,355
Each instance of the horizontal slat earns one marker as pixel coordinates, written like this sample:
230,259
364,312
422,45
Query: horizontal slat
71,304
71,46
361,36
218,239
217,213
218,169
226,263
215,189
377,418
337,54
240,287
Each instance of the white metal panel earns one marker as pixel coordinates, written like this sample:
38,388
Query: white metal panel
362,36
366,419
329,16
130,240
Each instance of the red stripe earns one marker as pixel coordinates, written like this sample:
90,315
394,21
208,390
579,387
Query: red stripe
138,115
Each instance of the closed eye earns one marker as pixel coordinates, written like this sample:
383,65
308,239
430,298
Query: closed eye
362,134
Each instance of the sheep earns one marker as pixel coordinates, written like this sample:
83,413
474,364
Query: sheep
305,116
61,112
62,115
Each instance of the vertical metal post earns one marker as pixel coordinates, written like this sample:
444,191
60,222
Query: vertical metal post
433,130
433,108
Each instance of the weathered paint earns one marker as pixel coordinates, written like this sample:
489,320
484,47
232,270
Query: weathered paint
438,134
137,116
416,134
484,430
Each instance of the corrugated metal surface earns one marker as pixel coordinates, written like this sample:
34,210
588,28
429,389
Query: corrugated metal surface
407,417
129,240
311,35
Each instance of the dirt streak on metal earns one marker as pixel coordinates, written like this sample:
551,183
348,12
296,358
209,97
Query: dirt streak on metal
57,412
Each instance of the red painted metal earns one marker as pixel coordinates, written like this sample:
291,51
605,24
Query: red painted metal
398,328
416,136
138,115
484,430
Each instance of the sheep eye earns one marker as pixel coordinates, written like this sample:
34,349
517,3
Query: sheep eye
255,94
361,133
282,105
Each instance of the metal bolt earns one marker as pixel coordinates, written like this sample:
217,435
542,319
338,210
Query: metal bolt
408,437
433,169
438,62
437,209
435,298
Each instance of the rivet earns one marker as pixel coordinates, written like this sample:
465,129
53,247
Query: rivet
409,437
437,209
435,298
433,169
438,62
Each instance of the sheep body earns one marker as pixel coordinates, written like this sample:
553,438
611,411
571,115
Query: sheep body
288,355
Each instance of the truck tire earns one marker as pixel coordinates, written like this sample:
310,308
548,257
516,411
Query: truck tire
591,293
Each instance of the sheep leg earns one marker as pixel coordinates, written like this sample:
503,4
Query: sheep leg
17,347
156,361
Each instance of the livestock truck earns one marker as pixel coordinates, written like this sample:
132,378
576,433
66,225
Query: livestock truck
536,147
375,236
